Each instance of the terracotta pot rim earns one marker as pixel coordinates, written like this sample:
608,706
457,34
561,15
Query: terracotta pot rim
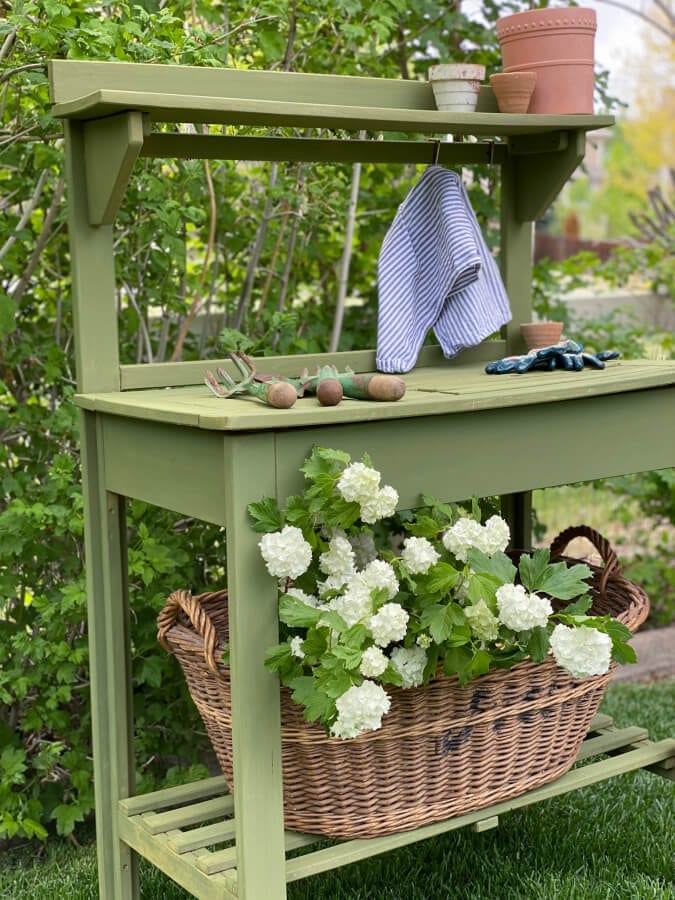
547,63
548,19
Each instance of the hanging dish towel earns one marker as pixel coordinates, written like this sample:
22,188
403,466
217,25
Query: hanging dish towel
435,271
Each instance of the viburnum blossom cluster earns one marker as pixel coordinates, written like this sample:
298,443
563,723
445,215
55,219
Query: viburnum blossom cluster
370,599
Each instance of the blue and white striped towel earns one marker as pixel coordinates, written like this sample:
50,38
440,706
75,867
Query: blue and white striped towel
435,271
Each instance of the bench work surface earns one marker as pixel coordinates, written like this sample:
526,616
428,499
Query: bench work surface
433,390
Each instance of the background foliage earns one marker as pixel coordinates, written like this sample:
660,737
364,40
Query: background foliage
264,263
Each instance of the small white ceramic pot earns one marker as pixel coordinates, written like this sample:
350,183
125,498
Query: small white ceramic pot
456,86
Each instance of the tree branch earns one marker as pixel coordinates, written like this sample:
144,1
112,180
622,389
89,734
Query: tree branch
343,280
41,242
669,33
26,214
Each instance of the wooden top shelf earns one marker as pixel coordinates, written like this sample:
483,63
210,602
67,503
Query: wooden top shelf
234,111
91,90
433,390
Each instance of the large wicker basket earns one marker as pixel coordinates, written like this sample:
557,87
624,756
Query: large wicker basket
442,750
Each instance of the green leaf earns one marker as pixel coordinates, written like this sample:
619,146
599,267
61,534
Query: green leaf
441,619
391,676
461,635
457,661
425,527
349,656
324,461
565,582
232,341
480,664
317,704
499,565
440,579
296,513
13,762
483,587
66,816
623,653
580,606
32,828
533,568
315,644
150,671
618,631
443,512
266,515
537,645
342,513
225,658
277,657
297,614
8,310
333,681
354,637
333,620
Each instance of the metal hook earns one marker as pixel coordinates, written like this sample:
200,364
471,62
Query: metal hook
437,150
491,152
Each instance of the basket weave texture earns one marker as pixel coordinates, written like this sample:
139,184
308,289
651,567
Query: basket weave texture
442,750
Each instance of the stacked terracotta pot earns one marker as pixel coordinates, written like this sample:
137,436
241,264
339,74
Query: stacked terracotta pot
557,44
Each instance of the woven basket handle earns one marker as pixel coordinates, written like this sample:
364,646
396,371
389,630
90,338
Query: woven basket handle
612,566
183,601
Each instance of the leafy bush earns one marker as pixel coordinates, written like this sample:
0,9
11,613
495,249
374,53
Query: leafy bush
265,262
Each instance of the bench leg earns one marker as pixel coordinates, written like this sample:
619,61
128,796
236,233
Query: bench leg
108,628
250,473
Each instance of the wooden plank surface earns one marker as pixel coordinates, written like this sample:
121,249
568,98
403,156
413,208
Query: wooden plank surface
165,107
181,867
157,822
174,796
84,89
221,860
433,390
352,851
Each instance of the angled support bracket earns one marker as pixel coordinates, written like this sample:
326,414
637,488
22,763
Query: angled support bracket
112,146
541,175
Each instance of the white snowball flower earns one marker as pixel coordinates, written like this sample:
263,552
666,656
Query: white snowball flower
482,622
355,604
364,548
373,662
308,599
496,535
296,647
338,560
388,624
582,651
521,611
419,555
286,553
381,575
461,537
424,640
360,709
358,482
409,662
380,505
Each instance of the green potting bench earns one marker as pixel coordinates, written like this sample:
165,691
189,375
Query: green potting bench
154,432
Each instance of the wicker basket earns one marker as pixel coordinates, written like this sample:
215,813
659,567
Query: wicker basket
442,750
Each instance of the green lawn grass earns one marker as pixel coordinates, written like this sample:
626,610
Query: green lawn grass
611,841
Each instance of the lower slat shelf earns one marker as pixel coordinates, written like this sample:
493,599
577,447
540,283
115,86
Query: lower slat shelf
203,858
